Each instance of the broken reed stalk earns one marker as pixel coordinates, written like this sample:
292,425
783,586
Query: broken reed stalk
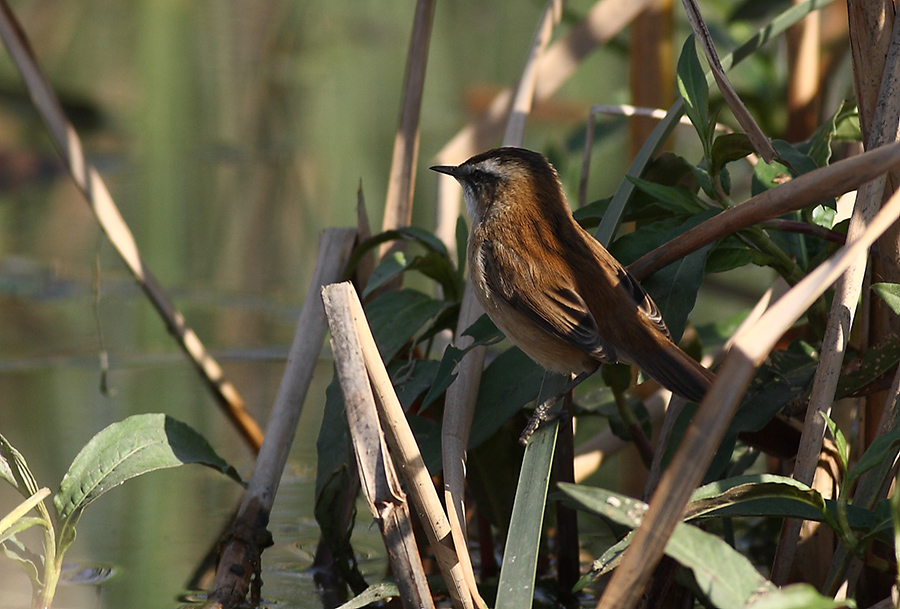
91,185
379,481
240,555
411,464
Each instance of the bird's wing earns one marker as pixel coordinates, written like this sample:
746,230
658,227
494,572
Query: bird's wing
552,305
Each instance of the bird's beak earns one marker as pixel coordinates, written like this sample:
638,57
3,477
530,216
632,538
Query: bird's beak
450,170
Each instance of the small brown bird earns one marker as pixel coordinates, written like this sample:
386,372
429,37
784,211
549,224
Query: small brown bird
550,286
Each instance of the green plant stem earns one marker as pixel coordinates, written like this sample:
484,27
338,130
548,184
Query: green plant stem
46,590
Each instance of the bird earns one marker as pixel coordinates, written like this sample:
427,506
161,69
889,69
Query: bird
552,288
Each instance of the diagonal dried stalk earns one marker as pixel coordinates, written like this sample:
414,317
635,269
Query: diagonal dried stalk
705,433
760,142
398,203
808,189
884,129
94,190
232,584
378,478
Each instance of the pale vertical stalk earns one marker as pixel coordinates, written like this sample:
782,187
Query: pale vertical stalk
461,395
398,203
884,129
231,583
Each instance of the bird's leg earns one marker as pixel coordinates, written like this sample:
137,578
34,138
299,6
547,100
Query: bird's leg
542,412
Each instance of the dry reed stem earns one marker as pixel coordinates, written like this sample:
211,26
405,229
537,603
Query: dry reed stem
91,185
808,189
604,20
231,585
399,200
884,128
463,392
412,467
758,139
705,433
378,478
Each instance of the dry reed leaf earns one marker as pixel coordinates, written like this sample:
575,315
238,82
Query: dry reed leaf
91,185
711,421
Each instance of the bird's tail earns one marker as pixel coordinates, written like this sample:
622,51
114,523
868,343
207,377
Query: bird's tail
679,373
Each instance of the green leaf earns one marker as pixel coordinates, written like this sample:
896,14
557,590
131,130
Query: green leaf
28,560
843,125
723,575
508,384
675,200
890,294
14,469
439,268
695,92
433,265
796,596
731,253
728,148
484,332
515,589
754,498
409,233
138,445
882,448
798,162
412,378
336,488
872,364
398,316
389,267
839,440
462,242
674,287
